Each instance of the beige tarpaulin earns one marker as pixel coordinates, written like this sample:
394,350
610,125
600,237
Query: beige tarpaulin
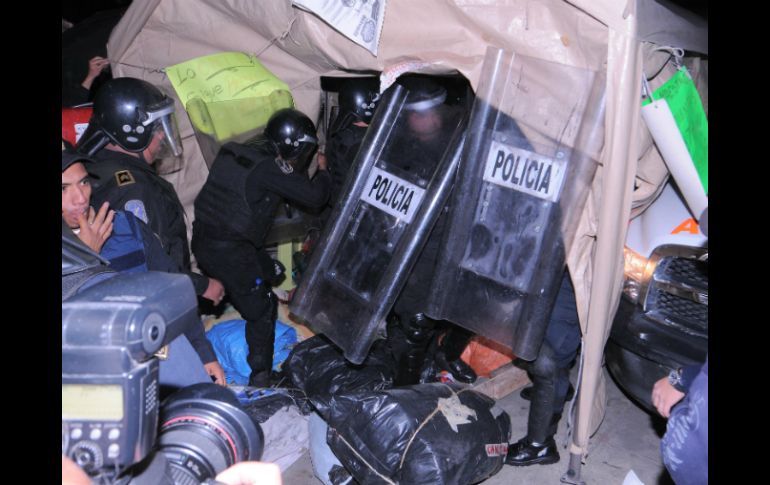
442,36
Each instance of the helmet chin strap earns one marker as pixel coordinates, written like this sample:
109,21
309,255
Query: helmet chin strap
93,145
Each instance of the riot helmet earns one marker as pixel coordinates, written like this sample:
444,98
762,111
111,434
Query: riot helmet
423,106
359,97
129,112
424,93
293,136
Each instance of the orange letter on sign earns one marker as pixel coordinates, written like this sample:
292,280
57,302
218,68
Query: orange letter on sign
689,225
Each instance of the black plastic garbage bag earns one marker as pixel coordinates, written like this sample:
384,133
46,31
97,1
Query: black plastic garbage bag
262,403
318,367
422,434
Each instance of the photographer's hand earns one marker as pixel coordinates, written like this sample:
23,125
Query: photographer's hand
251,473
214,369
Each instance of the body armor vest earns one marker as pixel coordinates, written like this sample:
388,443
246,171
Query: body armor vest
222,205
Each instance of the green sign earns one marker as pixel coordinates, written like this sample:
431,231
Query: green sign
685,104
229,93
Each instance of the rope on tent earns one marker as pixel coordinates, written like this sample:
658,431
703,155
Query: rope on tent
675,53
161,70
571,413
272,41
280,36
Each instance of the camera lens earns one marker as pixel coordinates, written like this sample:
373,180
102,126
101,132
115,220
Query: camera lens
204,431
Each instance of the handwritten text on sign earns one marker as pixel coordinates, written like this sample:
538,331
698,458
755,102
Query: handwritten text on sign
392,194
525,171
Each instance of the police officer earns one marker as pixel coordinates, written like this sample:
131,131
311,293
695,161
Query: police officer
550,378
426,139
131,126
234,211
130,246
358,99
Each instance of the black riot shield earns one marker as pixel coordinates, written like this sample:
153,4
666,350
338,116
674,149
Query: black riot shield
389,204
530,156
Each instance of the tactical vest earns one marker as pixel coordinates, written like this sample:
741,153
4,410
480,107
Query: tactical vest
125,247
222,204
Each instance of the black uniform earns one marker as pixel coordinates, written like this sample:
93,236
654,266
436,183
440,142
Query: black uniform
550,378
410,303
233,213
155,259
341,150
130,184
123,181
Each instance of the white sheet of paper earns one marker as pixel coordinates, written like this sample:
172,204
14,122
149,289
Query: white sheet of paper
359,20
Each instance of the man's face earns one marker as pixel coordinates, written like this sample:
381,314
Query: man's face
156,144
425,124
75,193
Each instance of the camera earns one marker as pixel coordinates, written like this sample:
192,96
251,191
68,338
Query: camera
113,424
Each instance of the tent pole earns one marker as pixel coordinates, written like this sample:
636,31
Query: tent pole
624,69
573,472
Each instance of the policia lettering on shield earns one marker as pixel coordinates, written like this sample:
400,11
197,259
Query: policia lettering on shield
393,195
524,171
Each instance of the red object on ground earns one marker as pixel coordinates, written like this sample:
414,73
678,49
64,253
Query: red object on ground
484,355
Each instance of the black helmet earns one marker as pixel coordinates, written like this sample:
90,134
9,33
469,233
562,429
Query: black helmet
293,135
359,96
127,111
424,93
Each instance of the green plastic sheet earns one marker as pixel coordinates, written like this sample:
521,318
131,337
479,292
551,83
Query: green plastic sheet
685,104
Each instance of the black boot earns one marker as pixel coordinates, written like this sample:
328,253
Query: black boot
263,379
526,393
458,368
418,331
260,379
449,351
525,453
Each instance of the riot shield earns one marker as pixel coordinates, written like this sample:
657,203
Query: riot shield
530,156
390,201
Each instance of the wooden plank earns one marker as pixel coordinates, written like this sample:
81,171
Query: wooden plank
503,381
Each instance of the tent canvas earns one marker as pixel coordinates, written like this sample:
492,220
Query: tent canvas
437,36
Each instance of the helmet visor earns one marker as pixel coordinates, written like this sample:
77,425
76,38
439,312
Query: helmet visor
171,131
305,138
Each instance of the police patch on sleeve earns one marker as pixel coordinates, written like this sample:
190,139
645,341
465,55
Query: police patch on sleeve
136,207
124,177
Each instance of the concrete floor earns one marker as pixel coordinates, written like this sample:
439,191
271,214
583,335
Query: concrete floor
627,440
